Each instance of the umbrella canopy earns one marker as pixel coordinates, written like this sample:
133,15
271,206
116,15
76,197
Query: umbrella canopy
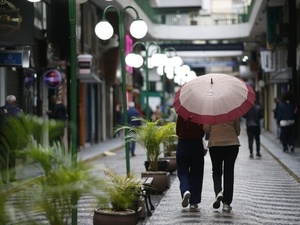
213,99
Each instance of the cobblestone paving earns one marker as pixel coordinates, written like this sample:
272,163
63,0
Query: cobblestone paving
264,194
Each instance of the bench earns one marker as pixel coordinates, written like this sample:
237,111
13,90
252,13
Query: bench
145,192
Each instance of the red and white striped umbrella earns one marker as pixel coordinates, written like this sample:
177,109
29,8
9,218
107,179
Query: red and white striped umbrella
214,99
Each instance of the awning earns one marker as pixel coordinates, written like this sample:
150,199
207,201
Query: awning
280,76
89,78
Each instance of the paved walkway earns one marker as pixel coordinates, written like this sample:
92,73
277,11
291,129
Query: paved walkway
266,189
264,192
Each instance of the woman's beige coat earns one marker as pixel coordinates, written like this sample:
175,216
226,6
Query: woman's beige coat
224,134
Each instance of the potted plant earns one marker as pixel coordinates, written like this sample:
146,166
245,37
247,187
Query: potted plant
170,145
57,191
150,136
119,202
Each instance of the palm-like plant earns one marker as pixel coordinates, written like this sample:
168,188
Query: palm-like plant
169,142
122,192
150,135
61,185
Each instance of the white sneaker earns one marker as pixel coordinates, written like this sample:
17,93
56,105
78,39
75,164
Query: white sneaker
186,199
193,206
219,198
226,207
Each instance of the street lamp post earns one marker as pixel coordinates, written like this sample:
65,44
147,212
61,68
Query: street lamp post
132,59
104,31
73,112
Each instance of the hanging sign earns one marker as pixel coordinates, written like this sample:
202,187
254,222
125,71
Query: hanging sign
52,78
29,77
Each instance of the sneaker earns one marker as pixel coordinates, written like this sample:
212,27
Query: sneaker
291,147
193,206
226,207
219,198
251,156
186,199
258,154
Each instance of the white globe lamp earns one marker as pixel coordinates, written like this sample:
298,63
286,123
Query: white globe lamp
104,30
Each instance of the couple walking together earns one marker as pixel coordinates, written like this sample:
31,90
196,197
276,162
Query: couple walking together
223,147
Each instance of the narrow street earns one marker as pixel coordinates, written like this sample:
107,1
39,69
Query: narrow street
265,193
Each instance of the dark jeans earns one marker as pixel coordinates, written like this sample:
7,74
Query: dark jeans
223,160
132,147
287,136
253,133
190,166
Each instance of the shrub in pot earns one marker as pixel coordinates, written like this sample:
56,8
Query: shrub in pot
119,200
150,136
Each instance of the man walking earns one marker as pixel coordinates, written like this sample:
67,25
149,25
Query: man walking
253,117
132,113
7,151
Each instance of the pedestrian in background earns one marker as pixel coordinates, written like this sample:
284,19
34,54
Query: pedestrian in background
223,147
157,113
8,152
190,161
119,118
253,117
132,113
58,112
287,111
275,112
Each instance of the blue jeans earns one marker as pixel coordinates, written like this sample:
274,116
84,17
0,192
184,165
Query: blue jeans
223,159
132,147
190,166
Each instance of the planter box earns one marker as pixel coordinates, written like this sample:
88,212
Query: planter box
162,165
172,165
108,217
161,180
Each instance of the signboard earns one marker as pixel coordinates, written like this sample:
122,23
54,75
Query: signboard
29,77
267,60
16,22
85,64
52,78
15,58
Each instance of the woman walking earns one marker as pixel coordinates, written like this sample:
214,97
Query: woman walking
223,147
190,161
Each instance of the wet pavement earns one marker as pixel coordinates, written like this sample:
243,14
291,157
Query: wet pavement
266,189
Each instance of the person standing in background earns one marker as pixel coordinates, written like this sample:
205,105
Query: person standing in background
119,117
190,161
8,153
253,117
132,113
58,113
223,147
157,114
287,112
275,112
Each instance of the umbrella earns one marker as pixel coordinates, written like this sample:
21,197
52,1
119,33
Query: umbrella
213,99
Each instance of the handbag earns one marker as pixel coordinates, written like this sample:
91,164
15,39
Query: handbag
285,123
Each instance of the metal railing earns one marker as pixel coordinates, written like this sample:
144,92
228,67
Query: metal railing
235,15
